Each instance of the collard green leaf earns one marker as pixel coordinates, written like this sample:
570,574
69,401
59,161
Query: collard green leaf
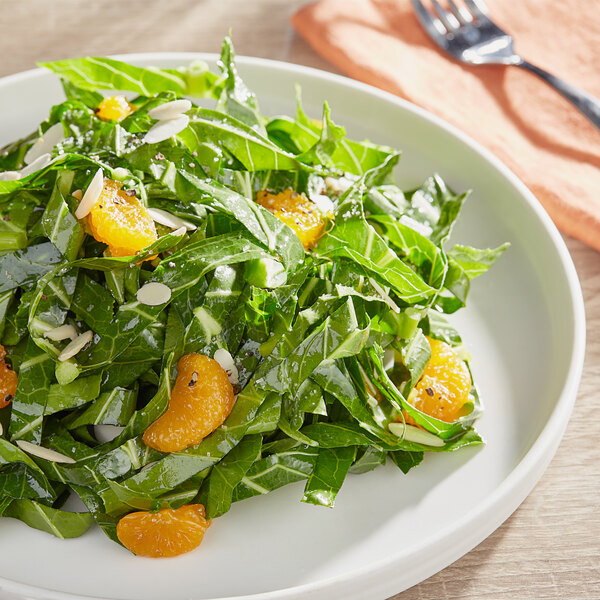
253,150
94,73
267,417
24,267
176,468
59,523
93,304
431,261
72,395
324,148
220,299
328,475
236,99
335,379
61,227
275,471
352,237
90,98
435,207
415,356
6,298
18,214
18,480
178,272
144,353
193,189
475,261
29,404
217,490
300,134
337,435
368,459
406,460
465,263
340,335
110,408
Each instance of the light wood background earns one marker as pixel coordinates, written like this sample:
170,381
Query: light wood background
550,547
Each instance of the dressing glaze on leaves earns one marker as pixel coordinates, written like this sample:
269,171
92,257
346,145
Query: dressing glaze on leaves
329,341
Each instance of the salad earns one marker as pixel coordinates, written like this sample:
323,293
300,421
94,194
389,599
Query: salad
202,305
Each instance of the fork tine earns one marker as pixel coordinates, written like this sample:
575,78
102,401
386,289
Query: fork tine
463,15
448,19
478,9
433,26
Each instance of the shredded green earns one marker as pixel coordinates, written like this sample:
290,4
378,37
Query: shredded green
314,334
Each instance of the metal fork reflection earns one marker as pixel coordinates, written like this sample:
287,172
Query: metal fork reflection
468,34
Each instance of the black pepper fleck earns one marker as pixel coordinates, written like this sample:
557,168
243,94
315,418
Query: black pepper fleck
429,391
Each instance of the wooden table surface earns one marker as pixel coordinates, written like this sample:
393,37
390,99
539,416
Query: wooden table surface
550,547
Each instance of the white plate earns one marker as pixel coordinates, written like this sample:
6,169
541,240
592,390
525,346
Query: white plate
524,327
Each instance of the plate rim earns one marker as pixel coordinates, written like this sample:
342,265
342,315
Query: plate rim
524,476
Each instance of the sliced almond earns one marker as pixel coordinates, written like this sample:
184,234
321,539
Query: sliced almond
39,163
170,110
179,231
224,358
168,220
44,453
163,130
107,433
61,333
77,194
389,359
384,295
421,202
323,203
416,435
76,345
45,144
91,196
338,185
154,294
421,228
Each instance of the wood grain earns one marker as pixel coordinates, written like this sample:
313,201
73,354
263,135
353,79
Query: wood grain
550,548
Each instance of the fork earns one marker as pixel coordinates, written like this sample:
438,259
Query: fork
470,36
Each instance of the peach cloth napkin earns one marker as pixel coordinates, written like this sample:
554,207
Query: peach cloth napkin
530,127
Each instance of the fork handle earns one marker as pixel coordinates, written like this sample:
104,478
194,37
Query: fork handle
586,103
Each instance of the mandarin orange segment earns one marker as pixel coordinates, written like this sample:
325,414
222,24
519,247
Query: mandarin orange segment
8,381
168,532
121,221
201,400
444,387
296,211
114,108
